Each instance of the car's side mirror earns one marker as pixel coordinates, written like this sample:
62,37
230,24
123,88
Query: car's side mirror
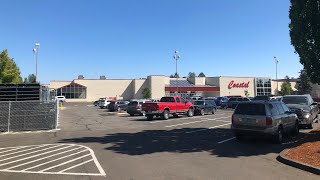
314,103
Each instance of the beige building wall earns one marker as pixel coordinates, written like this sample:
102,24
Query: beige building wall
211,94
198,81
58,84
294,86
157,86
138,86
167,80
122,89
225,91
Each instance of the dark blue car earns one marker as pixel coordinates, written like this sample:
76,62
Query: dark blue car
220,101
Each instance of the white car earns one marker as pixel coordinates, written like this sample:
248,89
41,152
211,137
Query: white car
60,99
103,103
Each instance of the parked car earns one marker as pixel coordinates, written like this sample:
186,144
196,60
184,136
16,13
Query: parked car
276,98
304,106
96,103
219,100
266,118
118,106
261,98
135,107
103,103
60,99
203,107
168,105
233,102
317,100
194,98
224,103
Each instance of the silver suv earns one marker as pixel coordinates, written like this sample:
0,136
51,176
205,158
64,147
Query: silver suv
270,118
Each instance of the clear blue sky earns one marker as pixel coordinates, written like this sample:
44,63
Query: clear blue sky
136,38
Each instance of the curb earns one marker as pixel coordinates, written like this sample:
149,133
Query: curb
285,160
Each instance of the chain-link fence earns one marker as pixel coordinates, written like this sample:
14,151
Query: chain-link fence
28,115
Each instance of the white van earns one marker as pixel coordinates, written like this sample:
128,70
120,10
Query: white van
60,99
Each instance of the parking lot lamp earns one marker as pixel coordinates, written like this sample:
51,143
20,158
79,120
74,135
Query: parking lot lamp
36,50
176,57
277,61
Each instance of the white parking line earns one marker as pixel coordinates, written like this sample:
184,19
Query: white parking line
208,128
76,166
226,140
174,119
20,151
27,153
196,122
52,167
32,156
41,159
19,147
55,159
30,132
60,152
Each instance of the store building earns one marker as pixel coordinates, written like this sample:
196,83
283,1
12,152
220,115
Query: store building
88,90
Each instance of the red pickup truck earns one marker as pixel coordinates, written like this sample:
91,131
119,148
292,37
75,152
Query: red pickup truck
168,105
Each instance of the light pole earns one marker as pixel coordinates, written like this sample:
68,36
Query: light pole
277,61
176,57
36,50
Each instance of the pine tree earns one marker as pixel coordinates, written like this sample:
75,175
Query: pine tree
9,71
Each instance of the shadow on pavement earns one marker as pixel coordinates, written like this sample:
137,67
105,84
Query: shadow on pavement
178,141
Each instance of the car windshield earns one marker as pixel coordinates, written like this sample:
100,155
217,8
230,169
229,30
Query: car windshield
295,100
133,103
167,99
250,109
198,102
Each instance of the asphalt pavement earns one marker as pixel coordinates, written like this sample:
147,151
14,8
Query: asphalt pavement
96,144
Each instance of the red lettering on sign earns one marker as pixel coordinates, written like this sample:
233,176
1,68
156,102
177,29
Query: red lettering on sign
238,85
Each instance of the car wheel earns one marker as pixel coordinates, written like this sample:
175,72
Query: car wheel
131,114
214,110
202,112
190,112
165,115
150,117
278,138
310,126
119,109
295,130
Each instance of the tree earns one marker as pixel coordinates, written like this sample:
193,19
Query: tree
305,35
9,71
286,88
304,86
246,93
174,76
31,79
201,75
191,75
146,93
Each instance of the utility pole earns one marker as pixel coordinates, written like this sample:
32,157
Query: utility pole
36,50
176,57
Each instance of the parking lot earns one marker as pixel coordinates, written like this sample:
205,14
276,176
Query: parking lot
200,147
